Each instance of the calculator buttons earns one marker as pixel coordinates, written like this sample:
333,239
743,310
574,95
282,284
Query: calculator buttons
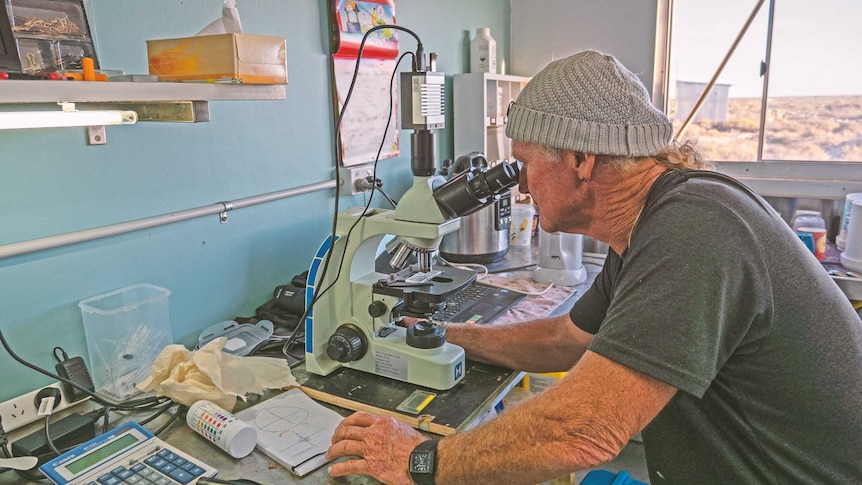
165,468
181,475
109,479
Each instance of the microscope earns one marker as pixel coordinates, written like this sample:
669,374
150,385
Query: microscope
356,322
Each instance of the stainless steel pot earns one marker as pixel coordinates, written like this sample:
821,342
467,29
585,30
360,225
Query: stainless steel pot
483,236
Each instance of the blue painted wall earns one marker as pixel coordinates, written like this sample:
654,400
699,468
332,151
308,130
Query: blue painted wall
52,182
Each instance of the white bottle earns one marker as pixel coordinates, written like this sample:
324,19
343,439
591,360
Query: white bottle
483,52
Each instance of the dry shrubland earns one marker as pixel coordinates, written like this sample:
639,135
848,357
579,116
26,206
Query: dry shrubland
797,128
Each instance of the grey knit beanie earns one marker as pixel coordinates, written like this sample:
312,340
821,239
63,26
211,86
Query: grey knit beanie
589,103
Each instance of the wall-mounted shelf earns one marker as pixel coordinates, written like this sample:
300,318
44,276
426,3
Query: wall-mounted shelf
22,92
481,101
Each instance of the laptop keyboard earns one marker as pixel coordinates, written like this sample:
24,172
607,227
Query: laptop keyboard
465,299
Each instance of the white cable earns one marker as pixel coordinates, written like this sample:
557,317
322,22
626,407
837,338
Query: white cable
528,293
465,266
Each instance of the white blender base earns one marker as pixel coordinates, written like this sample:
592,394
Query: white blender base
560,277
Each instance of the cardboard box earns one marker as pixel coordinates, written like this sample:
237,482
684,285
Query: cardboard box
241,58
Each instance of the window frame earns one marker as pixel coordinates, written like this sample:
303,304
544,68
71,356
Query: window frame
772,178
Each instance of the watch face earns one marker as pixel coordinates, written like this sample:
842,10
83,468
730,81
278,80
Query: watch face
421,461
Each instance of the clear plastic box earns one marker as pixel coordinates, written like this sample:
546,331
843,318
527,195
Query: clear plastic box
125,329
50,35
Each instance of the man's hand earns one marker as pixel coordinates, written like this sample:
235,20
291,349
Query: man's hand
380,446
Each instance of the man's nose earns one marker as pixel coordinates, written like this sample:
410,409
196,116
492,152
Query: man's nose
523,187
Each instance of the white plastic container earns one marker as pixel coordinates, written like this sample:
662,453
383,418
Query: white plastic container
222,428
841,238
125,329
483,52
851,258
521,227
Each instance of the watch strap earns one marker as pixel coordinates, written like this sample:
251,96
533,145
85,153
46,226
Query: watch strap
425,447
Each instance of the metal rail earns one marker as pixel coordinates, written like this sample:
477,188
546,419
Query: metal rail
220,208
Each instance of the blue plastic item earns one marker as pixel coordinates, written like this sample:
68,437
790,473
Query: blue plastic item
604,477
807,240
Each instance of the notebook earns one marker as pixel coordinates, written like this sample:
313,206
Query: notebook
478,303
293,430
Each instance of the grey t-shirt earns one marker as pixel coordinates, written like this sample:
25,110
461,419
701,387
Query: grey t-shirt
717,297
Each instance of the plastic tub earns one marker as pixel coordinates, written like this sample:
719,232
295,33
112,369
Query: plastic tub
125,329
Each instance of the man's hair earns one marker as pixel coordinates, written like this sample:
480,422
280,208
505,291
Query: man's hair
674,156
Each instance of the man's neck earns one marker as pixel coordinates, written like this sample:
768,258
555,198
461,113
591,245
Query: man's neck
620,200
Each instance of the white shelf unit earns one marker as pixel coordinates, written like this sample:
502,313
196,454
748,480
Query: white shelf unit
24,92
480,103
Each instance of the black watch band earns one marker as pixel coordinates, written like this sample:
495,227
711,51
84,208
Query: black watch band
423,462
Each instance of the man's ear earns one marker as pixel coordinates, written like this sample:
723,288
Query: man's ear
582,164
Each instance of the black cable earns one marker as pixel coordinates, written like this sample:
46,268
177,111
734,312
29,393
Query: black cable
386,196
107,419
158,413
48,436
503,270
241,481
133,405
332,238
180,411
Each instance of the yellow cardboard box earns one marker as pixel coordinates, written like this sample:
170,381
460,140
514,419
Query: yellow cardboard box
242,58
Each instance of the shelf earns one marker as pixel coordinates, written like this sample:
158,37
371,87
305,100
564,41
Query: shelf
480,104
23,92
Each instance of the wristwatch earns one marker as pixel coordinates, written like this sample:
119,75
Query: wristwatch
423,462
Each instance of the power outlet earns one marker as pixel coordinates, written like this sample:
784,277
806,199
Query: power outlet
348,176
22,410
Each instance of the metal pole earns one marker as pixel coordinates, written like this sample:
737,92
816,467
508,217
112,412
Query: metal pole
711,82
41,244
765,74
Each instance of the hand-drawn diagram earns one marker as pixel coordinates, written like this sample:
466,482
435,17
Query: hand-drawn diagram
293,429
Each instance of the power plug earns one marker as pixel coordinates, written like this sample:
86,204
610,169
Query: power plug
74,369
47,400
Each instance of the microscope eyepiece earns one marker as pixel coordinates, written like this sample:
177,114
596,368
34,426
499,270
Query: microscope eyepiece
475,188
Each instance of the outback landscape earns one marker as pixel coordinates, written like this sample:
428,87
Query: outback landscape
797,128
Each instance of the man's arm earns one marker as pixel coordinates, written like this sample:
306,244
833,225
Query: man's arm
544,345
583,421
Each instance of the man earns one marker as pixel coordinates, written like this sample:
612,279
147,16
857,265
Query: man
710,329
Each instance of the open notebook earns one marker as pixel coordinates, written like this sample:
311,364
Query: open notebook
293,430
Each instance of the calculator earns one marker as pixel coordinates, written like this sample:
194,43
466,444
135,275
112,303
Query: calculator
127,454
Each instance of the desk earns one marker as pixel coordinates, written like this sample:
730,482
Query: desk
260,468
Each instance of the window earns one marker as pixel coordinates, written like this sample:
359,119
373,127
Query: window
806,107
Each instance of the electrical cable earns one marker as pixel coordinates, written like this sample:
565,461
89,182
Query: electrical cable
158,413
181,410
241,481
513,268
291,339
385,195
105,424
465,266
523,292
135,404
48,438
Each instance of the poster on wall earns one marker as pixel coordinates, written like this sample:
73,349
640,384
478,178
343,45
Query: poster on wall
368,111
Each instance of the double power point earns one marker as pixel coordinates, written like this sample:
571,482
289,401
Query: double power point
24,409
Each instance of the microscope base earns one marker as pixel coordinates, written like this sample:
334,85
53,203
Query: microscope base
440,368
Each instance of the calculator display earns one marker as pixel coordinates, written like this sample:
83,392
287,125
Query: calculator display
100,454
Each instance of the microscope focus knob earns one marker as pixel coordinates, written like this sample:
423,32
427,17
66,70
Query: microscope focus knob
346,344
377,309
426,335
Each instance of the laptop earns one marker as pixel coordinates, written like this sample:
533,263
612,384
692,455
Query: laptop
478,303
